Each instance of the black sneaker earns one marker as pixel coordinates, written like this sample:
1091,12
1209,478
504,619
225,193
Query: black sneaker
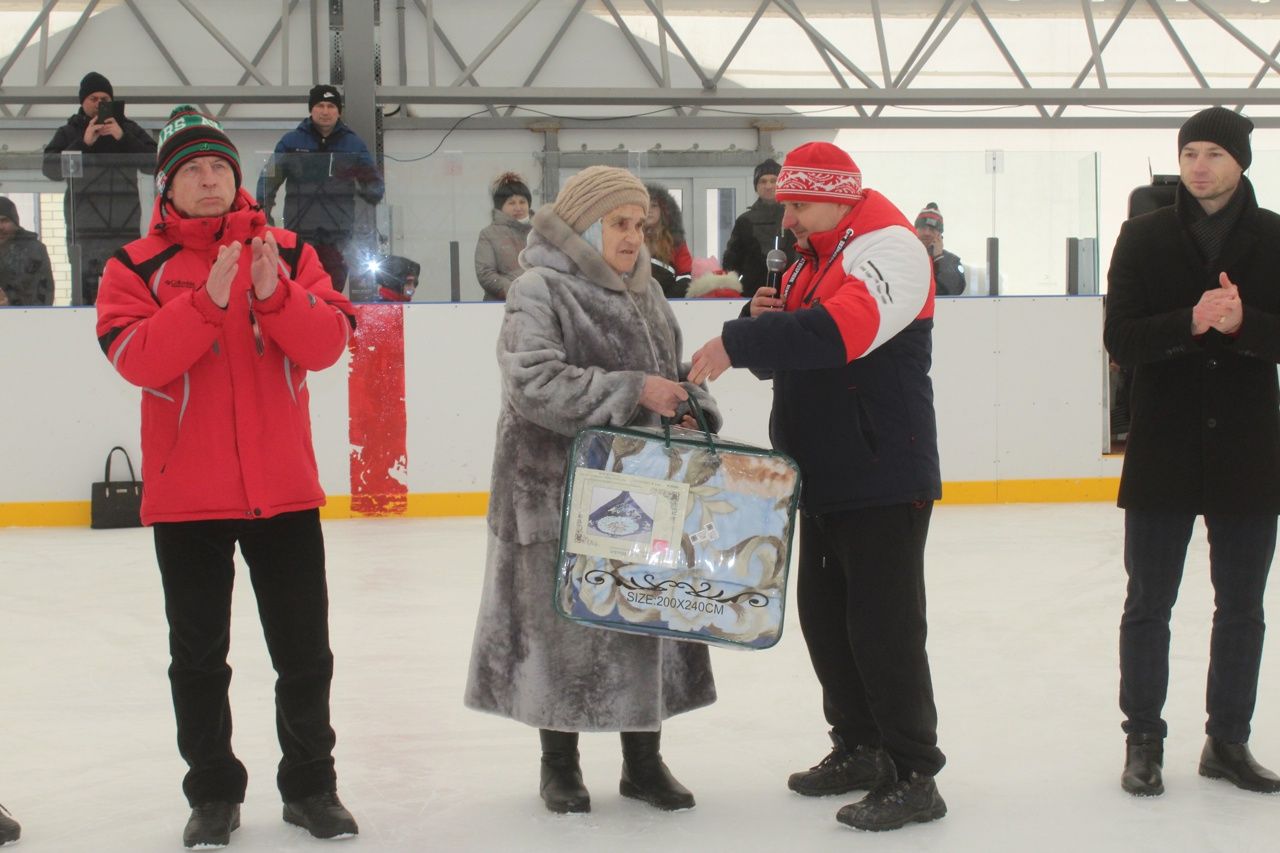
892,805
842,771
322,815
211,825
10,832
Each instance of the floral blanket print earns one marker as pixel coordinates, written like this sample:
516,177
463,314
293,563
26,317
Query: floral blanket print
682,539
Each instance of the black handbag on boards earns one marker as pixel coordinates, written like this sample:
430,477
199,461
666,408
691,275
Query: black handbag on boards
116,503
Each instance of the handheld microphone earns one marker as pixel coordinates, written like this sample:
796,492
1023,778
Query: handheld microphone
775,262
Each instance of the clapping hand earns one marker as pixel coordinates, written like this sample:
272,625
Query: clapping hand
1219,309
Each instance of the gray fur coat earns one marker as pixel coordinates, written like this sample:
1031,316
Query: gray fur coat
577,340
498,255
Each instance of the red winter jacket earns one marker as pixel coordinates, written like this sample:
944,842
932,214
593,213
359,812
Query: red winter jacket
226,429
849,358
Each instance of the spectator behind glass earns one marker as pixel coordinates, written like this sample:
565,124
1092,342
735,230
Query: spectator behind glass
948,272
664,236
756,229
500,243
325,166
25,275
102,207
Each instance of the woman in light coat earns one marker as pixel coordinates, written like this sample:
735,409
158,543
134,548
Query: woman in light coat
588,340
500,243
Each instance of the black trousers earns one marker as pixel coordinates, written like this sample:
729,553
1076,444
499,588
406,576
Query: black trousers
861,599
1155,548
285,555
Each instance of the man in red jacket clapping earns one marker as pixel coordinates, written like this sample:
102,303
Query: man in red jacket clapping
219,318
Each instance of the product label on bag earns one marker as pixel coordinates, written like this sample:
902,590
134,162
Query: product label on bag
624,517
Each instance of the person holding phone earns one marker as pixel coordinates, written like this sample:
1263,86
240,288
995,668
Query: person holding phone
102,206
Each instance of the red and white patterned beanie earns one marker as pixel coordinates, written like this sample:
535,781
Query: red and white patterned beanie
819,172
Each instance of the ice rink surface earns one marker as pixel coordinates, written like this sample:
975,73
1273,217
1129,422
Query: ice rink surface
1024,605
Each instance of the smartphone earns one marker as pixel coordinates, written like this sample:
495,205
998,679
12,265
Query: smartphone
111,109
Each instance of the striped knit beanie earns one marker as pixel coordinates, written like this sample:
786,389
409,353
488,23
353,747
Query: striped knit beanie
930,217
589,195
190,133
819,172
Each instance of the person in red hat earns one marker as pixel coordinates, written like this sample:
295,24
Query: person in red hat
848,343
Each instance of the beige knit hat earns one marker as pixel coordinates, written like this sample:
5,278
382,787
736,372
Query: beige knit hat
595,191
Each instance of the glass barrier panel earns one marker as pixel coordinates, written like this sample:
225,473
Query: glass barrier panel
426,228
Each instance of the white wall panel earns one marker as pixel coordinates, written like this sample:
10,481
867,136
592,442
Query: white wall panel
1017,383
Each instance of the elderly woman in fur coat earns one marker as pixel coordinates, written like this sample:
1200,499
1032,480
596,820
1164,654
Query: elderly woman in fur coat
587,340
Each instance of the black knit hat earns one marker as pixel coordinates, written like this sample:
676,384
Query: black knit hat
190,133
768,167
508,184
324,93
9,210
930,217
1227,129
94,82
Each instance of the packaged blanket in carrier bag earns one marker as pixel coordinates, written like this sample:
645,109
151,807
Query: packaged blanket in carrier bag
677,533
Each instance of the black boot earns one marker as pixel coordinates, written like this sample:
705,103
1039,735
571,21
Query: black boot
561,781
323,815
894,803
211,825
842,771
1234,762
9,829
645,776
1143,762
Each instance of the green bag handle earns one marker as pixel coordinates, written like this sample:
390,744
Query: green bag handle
699,416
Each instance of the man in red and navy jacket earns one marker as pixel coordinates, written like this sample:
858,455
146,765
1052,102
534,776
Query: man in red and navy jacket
218,319
847,341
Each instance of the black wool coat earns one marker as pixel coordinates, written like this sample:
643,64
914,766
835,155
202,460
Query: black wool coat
1205,434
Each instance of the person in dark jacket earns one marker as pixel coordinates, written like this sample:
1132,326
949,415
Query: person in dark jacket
102,205
756,230
219,319
848,344
1194,309
25,275
948,271
325,167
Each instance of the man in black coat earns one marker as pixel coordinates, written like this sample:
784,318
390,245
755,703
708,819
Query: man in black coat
101,205
756,230
1194,309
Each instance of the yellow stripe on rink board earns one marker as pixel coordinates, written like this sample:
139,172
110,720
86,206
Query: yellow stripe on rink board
45,514
442,504
422,505
1067,490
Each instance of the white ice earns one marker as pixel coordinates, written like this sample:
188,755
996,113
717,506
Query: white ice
1024,603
